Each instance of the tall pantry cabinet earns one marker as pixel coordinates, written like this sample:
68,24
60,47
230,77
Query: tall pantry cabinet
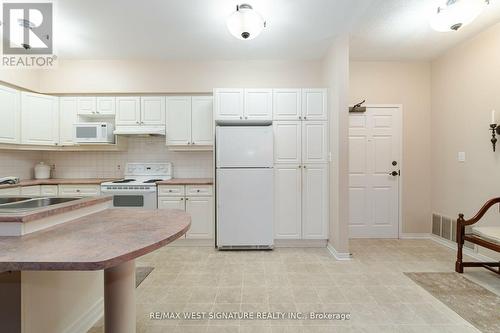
300,122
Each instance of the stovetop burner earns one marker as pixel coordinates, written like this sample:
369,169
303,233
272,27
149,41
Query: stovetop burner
128,180
152,181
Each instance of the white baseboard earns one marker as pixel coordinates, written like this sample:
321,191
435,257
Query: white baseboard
183,242
87,319
466,251
338,255
300,243
410,235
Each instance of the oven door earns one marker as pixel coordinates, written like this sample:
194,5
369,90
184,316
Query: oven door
133,198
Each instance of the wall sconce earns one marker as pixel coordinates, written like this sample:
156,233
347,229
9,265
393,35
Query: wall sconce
495,130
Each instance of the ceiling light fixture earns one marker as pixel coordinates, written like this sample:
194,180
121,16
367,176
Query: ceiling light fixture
452,15
245,23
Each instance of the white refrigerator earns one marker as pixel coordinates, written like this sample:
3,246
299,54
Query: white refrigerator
245,180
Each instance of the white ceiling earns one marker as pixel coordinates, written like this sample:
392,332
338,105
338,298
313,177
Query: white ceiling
399,30
297,29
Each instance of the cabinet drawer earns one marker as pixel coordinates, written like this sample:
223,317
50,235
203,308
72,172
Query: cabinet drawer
30,190
48,190
10,191
172,203
198,190
79,190
171,190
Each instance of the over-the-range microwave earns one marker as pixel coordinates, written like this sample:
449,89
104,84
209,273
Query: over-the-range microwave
93,132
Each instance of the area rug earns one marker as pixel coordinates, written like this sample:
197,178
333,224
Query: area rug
477,305
142,273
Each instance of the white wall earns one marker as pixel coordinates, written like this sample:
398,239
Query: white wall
336,79
465,88
406,83
114,76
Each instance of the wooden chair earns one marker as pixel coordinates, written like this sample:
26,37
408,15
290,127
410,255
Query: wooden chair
475,239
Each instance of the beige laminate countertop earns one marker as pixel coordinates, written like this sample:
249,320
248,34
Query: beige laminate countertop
94,242
43,212
187,181
59,181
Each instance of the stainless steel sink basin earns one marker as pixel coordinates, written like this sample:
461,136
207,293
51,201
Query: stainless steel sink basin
34,203
8,200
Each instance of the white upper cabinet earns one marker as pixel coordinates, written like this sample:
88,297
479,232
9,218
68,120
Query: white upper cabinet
258,104
287,202
287,142
153,110
243,104
10,115
39,119
68,107
178,120
229,104
287,104
105,105
86,105
128,110
202,121
315,201
190,121
314,105
314,142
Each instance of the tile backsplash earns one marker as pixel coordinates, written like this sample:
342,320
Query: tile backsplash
109,164
18,163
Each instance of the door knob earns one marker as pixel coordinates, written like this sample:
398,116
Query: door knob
394,173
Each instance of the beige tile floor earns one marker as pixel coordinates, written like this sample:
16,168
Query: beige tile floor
371,287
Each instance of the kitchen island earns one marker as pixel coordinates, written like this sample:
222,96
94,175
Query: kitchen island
108,240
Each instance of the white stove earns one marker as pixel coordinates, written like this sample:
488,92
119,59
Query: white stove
138,187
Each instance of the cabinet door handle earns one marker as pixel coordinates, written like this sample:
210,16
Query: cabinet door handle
187,199
300,166
241,117
137,122
182,199
198,191
300,117
246,117
305,118
304,166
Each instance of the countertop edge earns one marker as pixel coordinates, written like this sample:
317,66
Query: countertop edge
89,265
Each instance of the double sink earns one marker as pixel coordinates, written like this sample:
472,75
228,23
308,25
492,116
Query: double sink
21,204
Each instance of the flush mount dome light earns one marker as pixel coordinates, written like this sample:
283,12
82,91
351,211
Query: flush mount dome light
245,23
452,15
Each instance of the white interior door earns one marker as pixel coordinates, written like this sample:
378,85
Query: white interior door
374,154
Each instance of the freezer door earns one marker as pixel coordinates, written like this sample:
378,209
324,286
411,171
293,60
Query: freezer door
244,146
245,207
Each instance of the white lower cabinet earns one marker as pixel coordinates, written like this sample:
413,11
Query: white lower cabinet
195,200
315,201
201,210
287,202
83,190
10,191
171,203
49,190
31,190
301,201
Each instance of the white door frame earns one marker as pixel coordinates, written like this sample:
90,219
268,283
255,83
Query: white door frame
399,108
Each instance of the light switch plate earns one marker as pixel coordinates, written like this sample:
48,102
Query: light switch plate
461,156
